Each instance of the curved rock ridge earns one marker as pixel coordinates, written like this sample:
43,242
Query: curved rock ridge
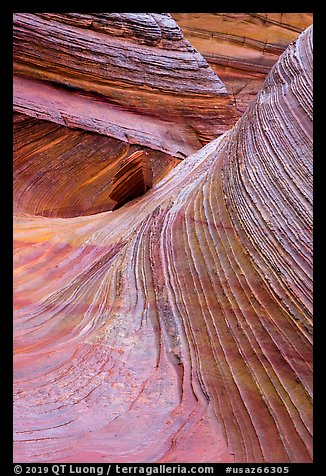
270,175
152,29
64,172
242,47
91,113
97,61
137,66
178,328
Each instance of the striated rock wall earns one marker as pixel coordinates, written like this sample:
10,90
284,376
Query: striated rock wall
133,77
242,47
178,328
64,172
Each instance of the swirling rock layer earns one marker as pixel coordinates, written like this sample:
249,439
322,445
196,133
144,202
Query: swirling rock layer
137,68
178,328
242,47
64,172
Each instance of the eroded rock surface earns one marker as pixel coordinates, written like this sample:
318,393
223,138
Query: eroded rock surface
242,47
64,172
129,76
178,327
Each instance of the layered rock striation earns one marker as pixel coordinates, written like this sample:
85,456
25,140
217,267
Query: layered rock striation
178,327
132,77
64,172
90,90
242,47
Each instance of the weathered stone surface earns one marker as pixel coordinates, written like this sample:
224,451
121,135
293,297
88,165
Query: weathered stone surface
242,47
92,113
178,328
148,73
63,172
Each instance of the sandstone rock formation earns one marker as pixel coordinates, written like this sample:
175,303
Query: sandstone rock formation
129,76
133,79
242,47
63,172
176,328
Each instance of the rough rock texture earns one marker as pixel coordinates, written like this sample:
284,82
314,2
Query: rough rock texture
134,78
178,328
242,47
63,172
